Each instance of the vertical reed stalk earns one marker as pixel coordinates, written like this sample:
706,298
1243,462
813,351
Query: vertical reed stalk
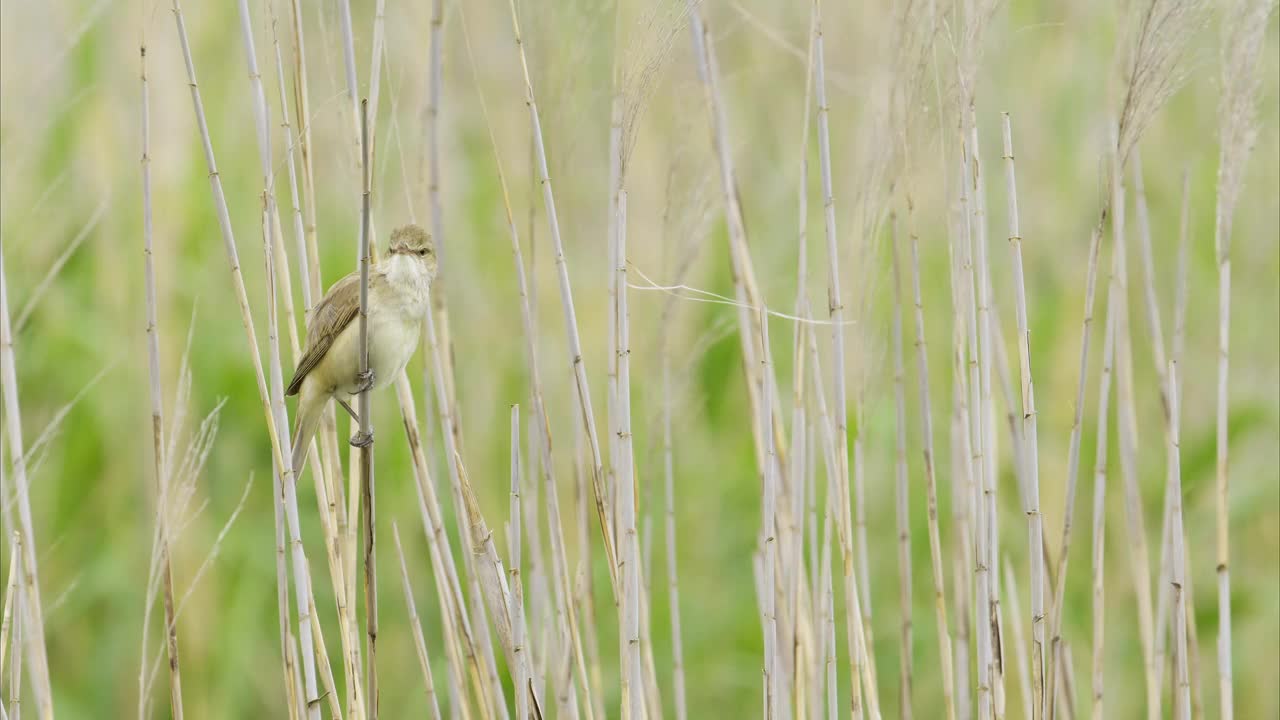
419,643
27,597
157,421
1098,568
1029,454
366,431
902,513
570,314
931,485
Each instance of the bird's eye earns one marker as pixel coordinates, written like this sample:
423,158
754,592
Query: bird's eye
422,252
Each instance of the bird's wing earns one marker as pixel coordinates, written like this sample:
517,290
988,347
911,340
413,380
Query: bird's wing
331,316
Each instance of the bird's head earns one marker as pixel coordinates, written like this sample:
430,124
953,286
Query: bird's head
416,244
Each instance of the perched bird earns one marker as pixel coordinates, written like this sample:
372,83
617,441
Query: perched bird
399,290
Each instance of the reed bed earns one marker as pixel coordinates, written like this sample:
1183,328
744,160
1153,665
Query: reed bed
766,469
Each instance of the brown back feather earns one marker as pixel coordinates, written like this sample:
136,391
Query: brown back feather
332,315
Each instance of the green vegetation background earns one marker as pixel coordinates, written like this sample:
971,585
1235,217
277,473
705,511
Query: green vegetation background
70,148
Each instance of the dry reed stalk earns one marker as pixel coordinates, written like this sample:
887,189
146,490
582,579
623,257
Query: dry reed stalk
28,594
324,469
279,456
521,673
302,574
835,305
902,514
746,289
1237,125
1098,556
459,639
15,670
1154,327
1019,638
1178,577
1073,455
977,437
931,487
570,315
1028,451
366,429
419,643
673,578
769,521
328,434
563,587
1126,426
633,680
961,500
157,423
6,620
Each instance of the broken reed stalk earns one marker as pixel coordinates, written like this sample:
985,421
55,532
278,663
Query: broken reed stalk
930,477
1029,457
902,513
570,315
419,643
157,423
366,431
27,598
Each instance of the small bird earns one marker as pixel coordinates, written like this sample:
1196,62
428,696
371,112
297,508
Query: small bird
399,290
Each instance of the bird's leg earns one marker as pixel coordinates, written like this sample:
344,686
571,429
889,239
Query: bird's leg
350,412
365,381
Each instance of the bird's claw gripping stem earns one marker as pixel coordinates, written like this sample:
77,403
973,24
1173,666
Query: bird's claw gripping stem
365,381
362,439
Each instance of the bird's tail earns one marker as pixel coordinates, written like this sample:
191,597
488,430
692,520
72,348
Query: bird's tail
310,410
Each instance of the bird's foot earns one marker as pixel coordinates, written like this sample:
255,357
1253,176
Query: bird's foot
362,439
364,381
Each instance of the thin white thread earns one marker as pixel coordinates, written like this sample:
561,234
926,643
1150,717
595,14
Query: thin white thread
716,299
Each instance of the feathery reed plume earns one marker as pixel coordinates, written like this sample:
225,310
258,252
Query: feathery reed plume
1244,30
157,426
1154,69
